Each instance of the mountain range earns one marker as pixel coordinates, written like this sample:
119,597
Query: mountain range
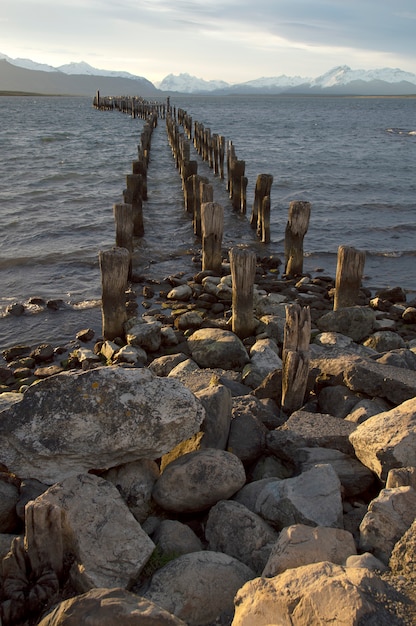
26,76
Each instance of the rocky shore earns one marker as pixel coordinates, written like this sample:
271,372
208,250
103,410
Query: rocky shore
155,479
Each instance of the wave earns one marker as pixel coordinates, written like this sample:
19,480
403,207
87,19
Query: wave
401,131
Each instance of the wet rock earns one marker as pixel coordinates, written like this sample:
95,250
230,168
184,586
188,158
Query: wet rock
87,334
16,309
43,353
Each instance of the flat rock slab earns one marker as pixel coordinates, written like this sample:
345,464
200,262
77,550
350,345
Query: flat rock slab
397,384
98,419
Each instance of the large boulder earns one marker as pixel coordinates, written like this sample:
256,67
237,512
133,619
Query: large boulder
356,322
214,347
387,440
107,607
235,530
301,545
388,517
403,556
198,587
78,421
373,378
197,480
320,593
108,543
312,498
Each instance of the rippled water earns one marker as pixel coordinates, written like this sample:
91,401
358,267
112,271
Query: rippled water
63,166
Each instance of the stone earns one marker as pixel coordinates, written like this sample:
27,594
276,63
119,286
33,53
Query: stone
356,322
216,400
401,357
233,529
135,482
249,493
396,384
366,408
264,359
401,477
189,320
106,607
247,437
181,292
304,429
384,340
109,544
43,353
78,421
175,538
366,560
312,498
337,400
9,497
213,347
299,545
409,315
169,336
163,365
388,517
198,587
87,334
197,480
131,354
319,593
142,334
387,440
403,557
355,477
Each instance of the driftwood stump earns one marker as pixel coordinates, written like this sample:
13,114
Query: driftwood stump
350,267
212,218
114,266
243,272
297,225
295,357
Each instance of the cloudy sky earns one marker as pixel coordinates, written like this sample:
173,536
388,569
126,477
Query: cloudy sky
232,40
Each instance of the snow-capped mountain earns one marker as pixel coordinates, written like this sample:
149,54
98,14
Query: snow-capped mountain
185,83
343,75
341,80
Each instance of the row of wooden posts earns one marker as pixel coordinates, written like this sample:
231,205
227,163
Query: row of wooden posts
208,217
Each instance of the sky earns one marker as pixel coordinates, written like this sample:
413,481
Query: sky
230,40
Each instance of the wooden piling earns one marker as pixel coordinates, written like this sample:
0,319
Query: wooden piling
212,226
295,357
114,266
197,182
262,190
133,196
350,267
265,220
297,225
243,272
123,217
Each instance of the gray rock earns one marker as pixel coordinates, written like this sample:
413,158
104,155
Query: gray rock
367,561
181,292
135,483
354,476
108,607
313,498
356,322
77,421
174,538
216,400
403,557
337,400
403,357
9,497
198,587
387,519
396,384
213,347
367,408
163,365
248,494
109,545
197,480
387,440
264,358
401,477
384,340
310,430
299,545
247,437
235,530
146,335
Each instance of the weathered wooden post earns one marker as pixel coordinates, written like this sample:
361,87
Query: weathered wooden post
133,196
243,198
212,221
265,222
263,187
221,154
196,217
243,272
295,357
237,176
139,167
114,266
297,225
123,217
350,267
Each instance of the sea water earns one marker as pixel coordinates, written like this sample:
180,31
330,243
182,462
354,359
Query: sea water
63,165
